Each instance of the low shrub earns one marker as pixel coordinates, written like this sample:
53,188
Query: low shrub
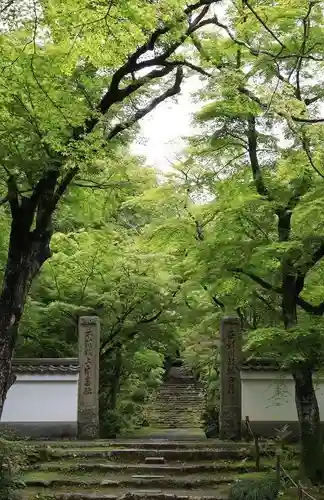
254,489
11,460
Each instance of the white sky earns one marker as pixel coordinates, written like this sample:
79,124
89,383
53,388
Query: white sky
161,131
160,138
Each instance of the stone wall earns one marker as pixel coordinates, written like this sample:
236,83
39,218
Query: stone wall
268,397
43,401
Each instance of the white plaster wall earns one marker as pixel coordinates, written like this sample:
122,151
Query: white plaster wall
42,398
270,396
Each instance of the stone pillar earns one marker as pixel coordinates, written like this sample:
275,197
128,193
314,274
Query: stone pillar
88,399
230,414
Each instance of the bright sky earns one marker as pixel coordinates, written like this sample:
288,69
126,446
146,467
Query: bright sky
160,139
162,130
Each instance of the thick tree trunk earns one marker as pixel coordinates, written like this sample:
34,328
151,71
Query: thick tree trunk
28,250
312,456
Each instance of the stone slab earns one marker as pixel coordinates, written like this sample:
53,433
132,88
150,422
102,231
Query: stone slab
230,413
88,398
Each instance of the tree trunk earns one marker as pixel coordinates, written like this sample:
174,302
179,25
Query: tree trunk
28,250
115,386
312,456
289,305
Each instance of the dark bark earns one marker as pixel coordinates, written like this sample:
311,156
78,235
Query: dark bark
31,217
312,456
292,283
28,250
115,382
288,304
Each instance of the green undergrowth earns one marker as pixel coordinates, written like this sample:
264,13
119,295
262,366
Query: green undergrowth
255,488
293,494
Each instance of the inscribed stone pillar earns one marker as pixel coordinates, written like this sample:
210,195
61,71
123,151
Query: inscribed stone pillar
88,403
230,414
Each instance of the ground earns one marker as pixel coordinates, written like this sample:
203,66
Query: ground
144,468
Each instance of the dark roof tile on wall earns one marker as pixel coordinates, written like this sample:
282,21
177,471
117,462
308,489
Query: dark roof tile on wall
57,366
45,366
261,364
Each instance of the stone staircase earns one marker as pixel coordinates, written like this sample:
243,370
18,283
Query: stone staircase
179,402
150,469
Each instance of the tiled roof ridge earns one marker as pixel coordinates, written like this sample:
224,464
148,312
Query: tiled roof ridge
45,365
258,363
71,365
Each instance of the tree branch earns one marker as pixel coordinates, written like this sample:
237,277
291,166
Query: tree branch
190,65
265,107
306,147
261,21
260,281
315,310
114,94
256,171
6,6
266,302
13,195
142,321
214,298
119,324
49,190
175,89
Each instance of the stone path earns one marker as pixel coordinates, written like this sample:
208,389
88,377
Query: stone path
150,469
178,404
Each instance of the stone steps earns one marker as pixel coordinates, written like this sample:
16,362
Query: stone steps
140,454
106,470
126,494
179,402
143,480
176,411
177,388
139,468
186,414
163,422
147,443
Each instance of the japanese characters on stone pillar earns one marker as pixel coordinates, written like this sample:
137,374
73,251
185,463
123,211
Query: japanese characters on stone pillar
230,414
88,403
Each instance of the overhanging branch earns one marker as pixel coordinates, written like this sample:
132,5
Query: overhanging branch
119,89
264,24
215,300
311,309
105,350
175,89
260,281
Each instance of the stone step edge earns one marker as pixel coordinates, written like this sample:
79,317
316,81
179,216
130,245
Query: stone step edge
157,442
151,452
135,495
152,468
153,482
